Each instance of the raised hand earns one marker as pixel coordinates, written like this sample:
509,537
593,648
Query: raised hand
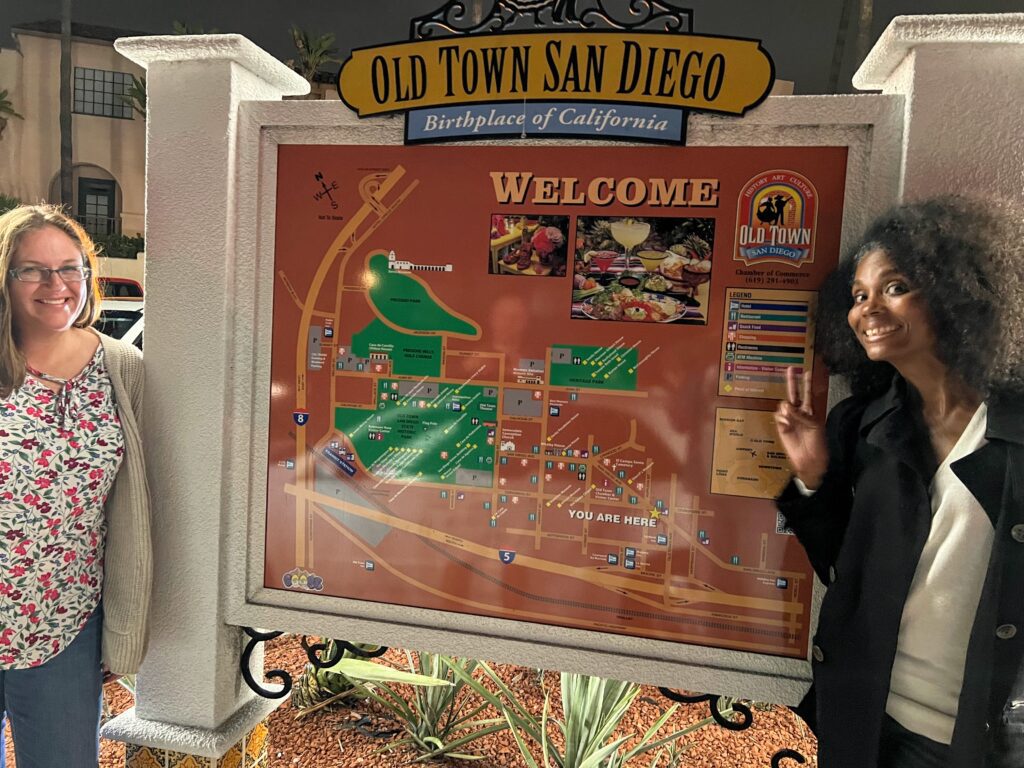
801,434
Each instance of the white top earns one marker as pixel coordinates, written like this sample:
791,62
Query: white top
938,615
59,454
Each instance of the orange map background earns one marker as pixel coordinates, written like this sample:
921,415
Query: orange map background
703,568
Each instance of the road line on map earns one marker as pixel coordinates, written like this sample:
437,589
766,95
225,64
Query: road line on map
606,580
522,614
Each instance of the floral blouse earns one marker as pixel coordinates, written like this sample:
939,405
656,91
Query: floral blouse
59,454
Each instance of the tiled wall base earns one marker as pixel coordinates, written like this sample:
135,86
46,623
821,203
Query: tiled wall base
249,752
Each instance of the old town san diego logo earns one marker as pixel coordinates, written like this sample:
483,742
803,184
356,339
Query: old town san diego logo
775,219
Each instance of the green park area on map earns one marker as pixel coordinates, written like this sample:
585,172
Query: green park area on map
594,367
432,439
404,301
410,355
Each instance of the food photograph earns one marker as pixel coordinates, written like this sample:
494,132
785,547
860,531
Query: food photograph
648,270
529,245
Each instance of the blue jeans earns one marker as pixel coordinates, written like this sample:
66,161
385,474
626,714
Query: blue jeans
55,708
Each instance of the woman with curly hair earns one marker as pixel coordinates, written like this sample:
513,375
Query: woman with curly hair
75,564
910,501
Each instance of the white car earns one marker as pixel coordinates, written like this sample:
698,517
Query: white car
121,319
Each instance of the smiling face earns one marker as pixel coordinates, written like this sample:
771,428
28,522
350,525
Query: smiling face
52,305
888,315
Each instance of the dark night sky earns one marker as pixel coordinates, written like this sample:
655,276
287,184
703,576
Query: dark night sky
799,34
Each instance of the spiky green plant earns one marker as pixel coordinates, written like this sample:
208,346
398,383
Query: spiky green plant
593,710
319,688
440,721
347,678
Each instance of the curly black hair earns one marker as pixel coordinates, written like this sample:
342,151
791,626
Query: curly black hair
966,257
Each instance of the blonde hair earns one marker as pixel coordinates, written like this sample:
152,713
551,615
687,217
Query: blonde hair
13,226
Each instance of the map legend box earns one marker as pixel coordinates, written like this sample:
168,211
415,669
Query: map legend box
766,331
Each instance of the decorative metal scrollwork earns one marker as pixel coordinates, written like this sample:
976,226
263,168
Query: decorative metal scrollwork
340,646
256,637
716,711
469,17
782,754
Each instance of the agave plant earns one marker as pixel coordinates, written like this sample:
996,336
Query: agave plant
318,688
593,709
348,677
438,721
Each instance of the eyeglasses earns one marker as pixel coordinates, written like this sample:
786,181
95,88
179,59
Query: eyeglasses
69,274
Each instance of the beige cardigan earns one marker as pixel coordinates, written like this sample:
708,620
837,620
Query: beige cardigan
128,559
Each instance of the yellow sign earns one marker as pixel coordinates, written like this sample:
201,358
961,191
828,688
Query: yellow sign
714,74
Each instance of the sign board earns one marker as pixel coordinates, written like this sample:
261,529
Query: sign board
535,384
615,69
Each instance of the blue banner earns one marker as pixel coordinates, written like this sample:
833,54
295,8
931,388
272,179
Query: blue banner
546,118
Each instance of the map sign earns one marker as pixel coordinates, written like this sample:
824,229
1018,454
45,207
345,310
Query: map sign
536,383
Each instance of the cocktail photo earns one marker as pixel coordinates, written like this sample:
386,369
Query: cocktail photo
530,245
649,269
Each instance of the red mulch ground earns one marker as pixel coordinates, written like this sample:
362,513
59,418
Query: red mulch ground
327,738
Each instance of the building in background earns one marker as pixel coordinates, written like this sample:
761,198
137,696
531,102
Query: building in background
109,136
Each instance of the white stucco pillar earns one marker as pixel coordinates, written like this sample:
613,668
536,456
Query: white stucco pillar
191,698
962,77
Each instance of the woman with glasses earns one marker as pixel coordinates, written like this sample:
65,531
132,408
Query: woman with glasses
910,500
75,560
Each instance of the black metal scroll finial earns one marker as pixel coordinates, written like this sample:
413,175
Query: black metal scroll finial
716,711
256,637
340,646
462,17
782,754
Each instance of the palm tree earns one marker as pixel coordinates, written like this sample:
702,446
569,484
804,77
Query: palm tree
184,28
6,111
314,52
66,153
840,47
867,13
135,96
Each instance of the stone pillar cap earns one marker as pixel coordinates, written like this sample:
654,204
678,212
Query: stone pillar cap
905,33
146,50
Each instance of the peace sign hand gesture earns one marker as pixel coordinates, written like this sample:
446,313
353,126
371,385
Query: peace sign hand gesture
801,435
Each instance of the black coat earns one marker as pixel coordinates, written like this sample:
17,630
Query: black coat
864,530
